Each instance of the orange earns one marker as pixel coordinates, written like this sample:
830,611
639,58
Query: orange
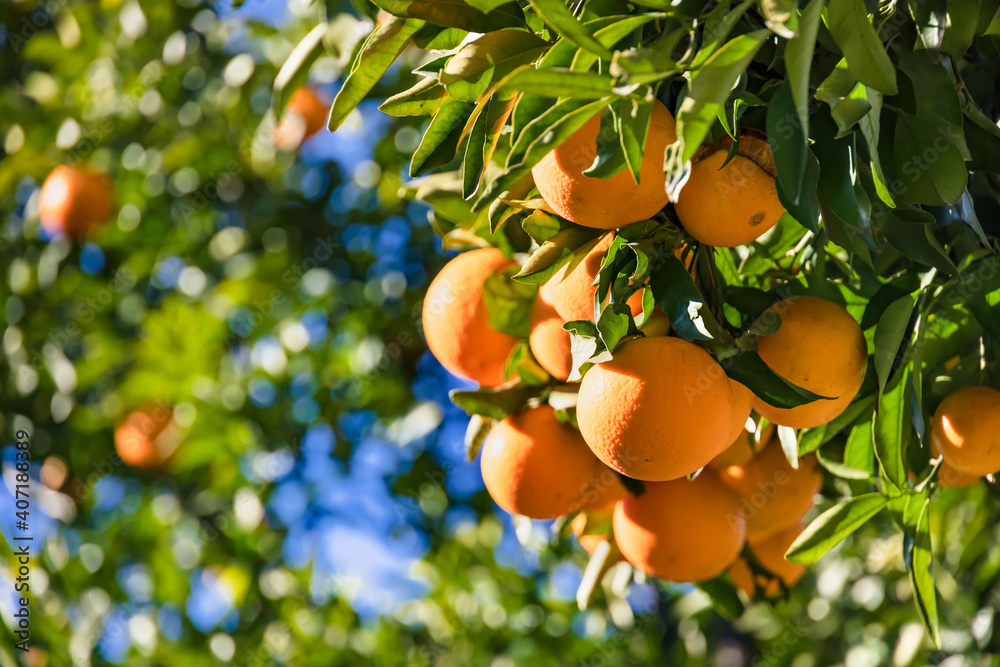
966,430
770,553
74,201
572,293
549,342
746,446
818,347
536,466
773,495
732,205
144,438
659,410
456,322
305,114
681,530
606,203
742,407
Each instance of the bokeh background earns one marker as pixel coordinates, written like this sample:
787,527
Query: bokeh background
320,509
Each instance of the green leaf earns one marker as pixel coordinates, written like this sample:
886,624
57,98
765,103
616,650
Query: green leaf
441,137
796,170
724,597
539,125
929,164
469,73
557,15
893,326
842,470
472,164
799,57
936,95
561,130
848,23
916,241
508,304
456,14
373,59
554,252
423,99
559,82
833,525
710,88
931,19
789,445
676,295
859,451
749,369
615,324
917,555
891,429
587,347
295,70
633,126
610,158
858,411
494,403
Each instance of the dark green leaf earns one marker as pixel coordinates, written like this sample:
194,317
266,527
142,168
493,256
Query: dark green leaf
919,561
494,403
929,164
931,19
442,133
633,126
893,326
676,295
610,158
749,369
842,470
891,429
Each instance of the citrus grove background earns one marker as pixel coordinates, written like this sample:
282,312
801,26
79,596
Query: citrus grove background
258,304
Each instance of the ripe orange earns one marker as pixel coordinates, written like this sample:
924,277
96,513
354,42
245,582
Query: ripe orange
773,495
549,342
536,466
744,447
572,293
659,410
819,347
732,205
681,530
74,201
144,438
770,553
606,203
742,407
456,322
305,114
966,430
